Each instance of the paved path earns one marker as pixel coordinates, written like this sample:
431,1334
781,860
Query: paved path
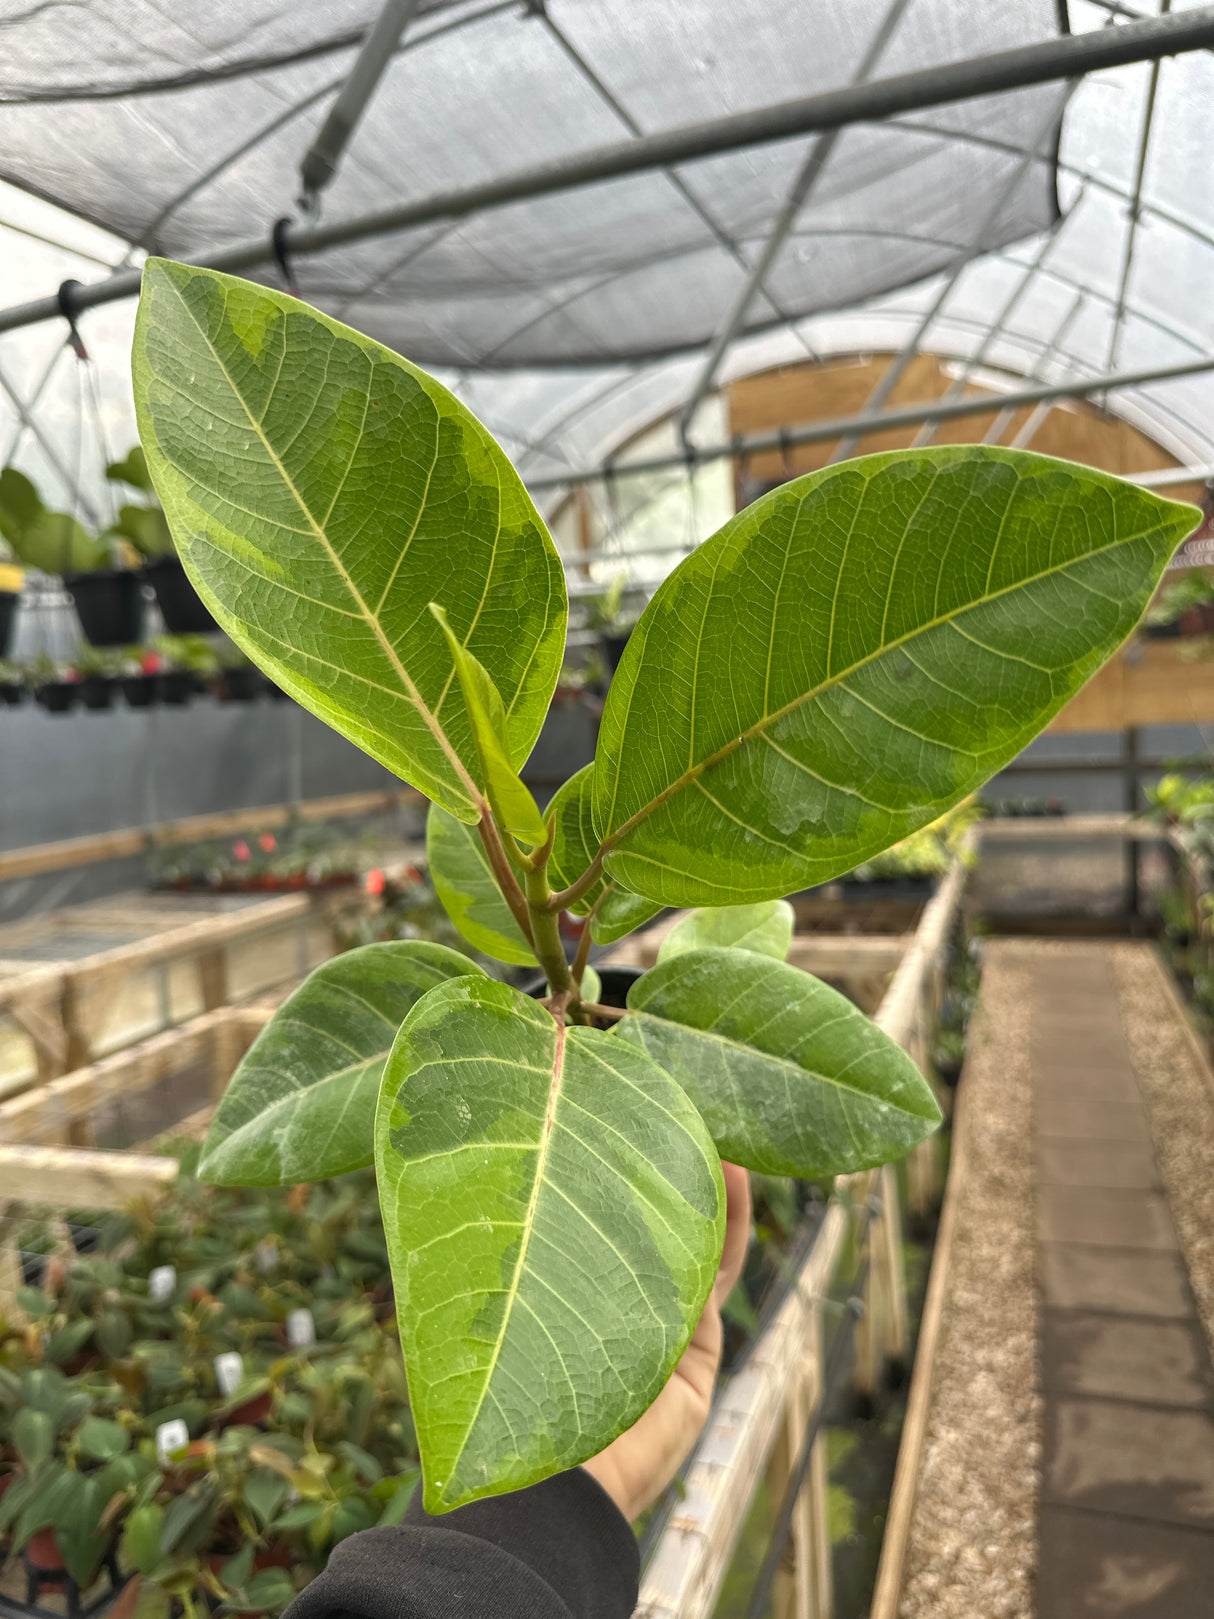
1127,1495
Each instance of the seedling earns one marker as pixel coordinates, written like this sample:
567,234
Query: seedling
835,668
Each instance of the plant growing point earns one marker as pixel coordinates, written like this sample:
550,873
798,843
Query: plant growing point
833,670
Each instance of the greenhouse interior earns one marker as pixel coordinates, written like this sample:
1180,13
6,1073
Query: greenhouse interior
607,809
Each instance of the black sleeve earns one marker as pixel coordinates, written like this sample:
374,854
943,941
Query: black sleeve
559,1550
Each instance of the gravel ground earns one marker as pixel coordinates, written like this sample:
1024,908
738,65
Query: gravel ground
972,1551
1180,1101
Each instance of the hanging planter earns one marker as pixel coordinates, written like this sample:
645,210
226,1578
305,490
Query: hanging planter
11,581
182,608
109,605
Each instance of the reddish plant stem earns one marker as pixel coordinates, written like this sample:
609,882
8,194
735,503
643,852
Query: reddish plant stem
502,870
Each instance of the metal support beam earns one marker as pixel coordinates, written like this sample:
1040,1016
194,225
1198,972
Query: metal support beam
1036,417
322,157
897,367
999,324
822,432
807,178
1052,59
1135,208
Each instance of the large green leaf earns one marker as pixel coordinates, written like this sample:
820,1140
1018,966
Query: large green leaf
301,1105
574,846
765,928
788,1075
464,882
321,492
554,1212
854,653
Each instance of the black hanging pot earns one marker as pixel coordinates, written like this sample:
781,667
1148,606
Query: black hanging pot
8,614
96,691
57,696
182,608
109,605
139,690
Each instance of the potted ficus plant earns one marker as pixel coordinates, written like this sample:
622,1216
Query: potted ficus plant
833,669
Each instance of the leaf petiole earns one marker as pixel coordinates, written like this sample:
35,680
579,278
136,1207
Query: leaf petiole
570,896
612,1012
502,870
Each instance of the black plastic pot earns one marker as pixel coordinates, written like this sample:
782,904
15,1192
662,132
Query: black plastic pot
11,693
139,690
182,608
176,686
277,695
616,982
57,696
8,613
240,685
109,605
96,691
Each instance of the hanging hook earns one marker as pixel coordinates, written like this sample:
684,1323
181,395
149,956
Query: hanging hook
278,241
64,299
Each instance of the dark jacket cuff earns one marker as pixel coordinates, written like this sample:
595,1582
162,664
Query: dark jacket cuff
558,1548
567,1530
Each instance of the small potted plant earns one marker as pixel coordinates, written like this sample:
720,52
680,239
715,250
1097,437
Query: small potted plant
144,525
239,679
140,676
54,686
12,684
187,662
98,672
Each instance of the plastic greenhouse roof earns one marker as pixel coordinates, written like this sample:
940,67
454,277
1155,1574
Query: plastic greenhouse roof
571,321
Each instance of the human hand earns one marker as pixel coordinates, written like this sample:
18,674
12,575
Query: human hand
637,1467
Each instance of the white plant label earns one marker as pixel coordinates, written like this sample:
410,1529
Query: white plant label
301,1329
171,1437
229,1369
161,1283
266,1253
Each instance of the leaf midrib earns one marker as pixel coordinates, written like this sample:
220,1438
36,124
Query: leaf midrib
543,1147
368,616
695,771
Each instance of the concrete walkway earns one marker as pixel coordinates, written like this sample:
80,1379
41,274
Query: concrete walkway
1126,1524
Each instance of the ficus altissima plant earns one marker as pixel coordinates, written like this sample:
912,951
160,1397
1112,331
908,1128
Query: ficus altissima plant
832,670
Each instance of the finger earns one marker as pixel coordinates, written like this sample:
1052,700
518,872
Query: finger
737,1229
